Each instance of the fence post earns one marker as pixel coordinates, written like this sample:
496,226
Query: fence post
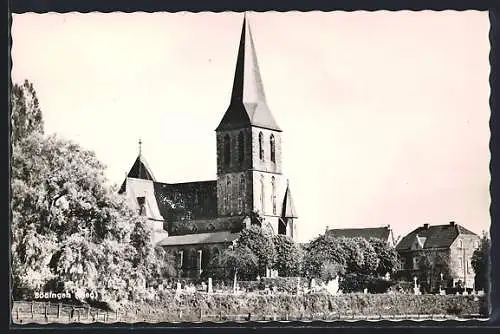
97,315
116,316
32,309
78,314
201,313
180,314
106,316
17,312
88,312
59,310
45,312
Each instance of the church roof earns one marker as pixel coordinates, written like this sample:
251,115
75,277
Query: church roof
187,201
199,238
140,170
288,209
436,236
248,105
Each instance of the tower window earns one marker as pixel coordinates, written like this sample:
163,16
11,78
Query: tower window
261,146
241,147
273,149
273,183
227,150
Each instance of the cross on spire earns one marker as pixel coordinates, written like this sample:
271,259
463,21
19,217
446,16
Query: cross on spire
140,146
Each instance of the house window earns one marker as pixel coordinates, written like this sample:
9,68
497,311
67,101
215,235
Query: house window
273,183
241,147
142,205
476,244
273,147
469,266
262,196
261,146
460,262
460,244
227,150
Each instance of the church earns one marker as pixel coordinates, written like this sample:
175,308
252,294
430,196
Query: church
200,219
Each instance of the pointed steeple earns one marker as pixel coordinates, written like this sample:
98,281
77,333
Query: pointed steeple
140,169
248,105
288,210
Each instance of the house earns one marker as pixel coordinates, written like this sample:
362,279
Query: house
382,233
429,251
199,219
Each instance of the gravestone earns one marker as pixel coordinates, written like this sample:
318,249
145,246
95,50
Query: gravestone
210,289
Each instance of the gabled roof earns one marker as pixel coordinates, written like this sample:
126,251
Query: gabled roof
248,105
437,236
382,233
200,238
288,209
140,170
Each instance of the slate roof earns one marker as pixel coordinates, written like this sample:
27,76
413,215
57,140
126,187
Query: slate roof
248,105
139,170
436,236
200,238
187,201
381,233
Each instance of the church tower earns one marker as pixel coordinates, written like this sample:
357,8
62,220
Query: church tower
249,171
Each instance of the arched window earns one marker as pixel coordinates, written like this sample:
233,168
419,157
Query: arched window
241,147
241,195
227,150
261,146
460,244
228,193
273,195
273,149
262,194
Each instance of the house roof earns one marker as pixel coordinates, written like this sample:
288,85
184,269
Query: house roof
288,209
382,233
248,106
200,238
436,236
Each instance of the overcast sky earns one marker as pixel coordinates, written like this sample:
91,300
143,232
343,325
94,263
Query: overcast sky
385,114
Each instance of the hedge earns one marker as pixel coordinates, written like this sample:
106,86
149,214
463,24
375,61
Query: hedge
265,306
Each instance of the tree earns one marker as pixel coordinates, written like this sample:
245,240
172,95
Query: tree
370,258
70,230
261,244
238,259
321,250
431,265
389,261
288,256
26,113
354,254
481,263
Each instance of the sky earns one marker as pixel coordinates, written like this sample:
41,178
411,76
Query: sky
385,114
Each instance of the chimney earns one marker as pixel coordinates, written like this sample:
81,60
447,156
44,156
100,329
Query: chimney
426,226
327,228
452,224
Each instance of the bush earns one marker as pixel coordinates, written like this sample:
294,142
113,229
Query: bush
357,283
264,306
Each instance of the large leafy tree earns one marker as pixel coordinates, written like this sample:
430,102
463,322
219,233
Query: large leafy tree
69,228
370,258
389,261
321,250
481,263
26,114
431,265
288,256
238,259
261,244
